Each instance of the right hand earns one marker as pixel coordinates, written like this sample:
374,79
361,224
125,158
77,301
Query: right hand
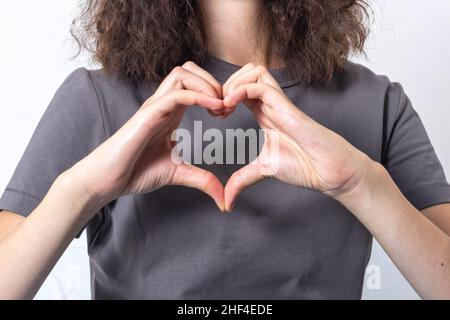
138,157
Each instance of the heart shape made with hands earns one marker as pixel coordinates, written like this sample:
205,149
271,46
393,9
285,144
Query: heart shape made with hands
256,88
307,154
297,150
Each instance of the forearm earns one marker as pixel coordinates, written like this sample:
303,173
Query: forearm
30,251
418,247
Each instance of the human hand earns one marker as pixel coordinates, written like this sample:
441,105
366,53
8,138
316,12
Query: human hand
297,149
138,158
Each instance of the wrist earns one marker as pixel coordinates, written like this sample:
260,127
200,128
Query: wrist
365,190
68,189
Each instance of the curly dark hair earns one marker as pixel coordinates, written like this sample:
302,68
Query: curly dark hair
145,39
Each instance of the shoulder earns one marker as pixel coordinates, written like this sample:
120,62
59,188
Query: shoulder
95,83
373,94
83,79
108,82
365,83
360,105
76,94
113,88
77,83
117,97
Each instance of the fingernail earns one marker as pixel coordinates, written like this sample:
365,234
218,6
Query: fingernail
230,208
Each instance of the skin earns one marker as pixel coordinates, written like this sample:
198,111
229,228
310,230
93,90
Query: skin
236,36
137,159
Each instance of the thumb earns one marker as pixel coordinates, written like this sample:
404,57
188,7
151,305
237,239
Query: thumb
194,177
241,179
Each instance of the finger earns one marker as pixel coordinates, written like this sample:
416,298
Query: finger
181,78
250,75
154,116
256,75
241,179
195,69
194,177
229,110
275,107
262,91
245,68
168,103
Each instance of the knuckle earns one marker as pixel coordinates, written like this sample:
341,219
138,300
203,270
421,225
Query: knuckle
189,63
177,71
208,178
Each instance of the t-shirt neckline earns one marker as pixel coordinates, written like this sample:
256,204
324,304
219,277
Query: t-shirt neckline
222,70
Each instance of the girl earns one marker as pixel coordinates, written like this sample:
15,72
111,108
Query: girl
353,161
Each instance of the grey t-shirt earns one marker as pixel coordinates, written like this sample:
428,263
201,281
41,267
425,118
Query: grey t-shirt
279,242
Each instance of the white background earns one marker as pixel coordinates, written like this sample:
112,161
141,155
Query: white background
409,43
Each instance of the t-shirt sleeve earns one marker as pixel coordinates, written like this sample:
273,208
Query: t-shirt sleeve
70,128
408,154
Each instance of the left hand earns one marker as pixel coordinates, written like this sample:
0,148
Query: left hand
309,155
